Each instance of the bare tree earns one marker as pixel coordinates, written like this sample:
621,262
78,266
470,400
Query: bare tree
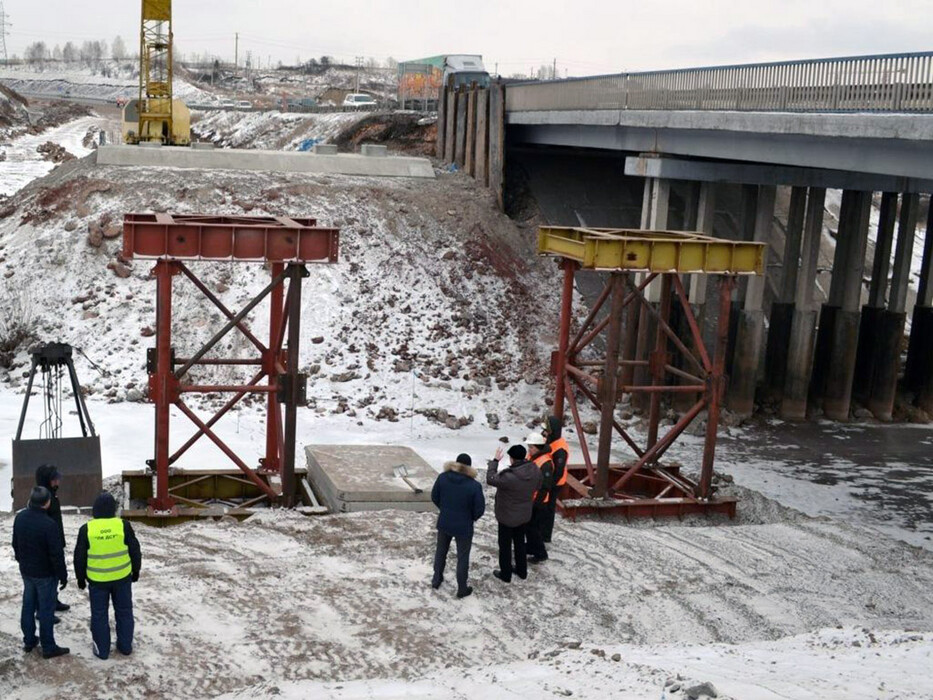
118,48
57,53
37,52
391,63
70,53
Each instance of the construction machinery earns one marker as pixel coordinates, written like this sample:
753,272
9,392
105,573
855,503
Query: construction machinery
157,116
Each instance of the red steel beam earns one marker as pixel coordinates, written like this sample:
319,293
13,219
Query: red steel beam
658,360
201,237
619,429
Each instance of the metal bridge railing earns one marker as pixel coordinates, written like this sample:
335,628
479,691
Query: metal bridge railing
888,83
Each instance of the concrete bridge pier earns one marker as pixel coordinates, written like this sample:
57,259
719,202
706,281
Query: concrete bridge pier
655,213
867,357
918,377
799,367
750,330
891,332
782,308
841,338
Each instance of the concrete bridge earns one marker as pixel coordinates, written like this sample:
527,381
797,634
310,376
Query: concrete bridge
831,158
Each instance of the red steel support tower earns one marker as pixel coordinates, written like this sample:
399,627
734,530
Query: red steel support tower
286,245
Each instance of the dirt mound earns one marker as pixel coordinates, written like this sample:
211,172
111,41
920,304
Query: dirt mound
411,134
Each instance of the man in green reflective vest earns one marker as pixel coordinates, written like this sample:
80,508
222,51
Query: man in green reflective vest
107,557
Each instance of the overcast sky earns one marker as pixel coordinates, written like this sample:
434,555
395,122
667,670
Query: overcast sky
585,36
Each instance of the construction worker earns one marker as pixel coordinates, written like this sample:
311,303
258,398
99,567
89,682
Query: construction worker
560,456
40,554
48,476
108,559
539,454
515,488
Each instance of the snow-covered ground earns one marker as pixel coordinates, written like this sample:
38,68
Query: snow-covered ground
23,163
84,83
271,130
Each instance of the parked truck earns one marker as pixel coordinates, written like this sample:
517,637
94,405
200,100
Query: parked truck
420,81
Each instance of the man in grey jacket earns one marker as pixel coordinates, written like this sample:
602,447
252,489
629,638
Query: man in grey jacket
515,487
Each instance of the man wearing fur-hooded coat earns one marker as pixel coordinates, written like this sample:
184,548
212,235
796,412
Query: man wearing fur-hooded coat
459,497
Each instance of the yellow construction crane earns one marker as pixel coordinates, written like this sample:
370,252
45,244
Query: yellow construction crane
156,116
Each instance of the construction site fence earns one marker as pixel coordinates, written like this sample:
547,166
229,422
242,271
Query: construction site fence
894,83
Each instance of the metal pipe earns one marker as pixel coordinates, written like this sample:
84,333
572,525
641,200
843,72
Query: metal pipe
607,387
272,365
164,380
584,449
716,386
22,415
658,361
563,338
224,388
218,361
296,272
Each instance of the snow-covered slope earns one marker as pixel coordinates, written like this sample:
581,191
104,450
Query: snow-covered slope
434,289
271,130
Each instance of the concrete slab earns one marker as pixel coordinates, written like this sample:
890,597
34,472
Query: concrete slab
352,478
274,161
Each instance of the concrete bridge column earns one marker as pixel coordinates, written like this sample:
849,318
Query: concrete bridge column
843,338
800,345
750,330
867,357
655,210
919,375
891,332
782,309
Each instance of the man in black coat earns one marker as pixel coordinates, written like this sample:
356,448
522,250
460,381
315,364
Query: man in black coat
48,476
459,497
515,487
40,553
107,556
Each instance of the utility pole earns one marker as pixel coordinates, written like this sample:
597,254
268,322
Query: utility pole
554,70
4,30
236,52
359,65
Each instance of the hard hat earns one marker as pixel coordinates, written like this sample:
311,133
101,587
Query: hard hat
535,439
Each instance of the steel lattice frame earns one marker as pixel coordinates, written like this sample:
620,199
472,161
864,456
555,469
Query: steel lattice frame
286,244
643,486
155,71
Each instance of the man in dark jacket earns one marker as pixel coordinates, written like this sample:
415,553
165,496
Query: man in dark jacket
48,476
461,502
107,556
515,487
40,553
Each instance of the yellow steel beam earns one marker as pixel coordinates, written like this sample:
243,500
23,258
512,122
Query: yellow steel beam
651,251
